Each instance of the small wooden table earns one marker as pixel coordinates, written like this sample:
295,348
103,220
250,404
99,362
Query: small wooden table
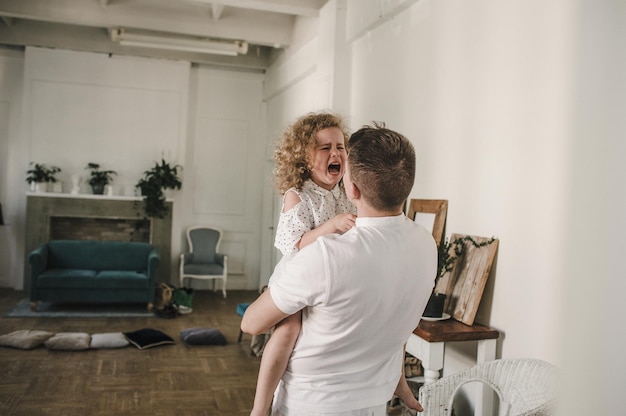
427,342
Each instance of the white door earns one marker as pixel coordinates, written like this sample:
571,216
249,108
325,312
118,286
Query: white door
272,204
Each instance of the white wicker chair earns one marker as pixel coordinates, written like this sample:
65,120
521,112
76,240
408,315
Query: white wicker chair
525,387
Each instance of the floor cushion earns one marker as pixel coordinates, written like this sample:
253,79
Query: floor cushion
148,338
72,341
202,336
108,340
25,339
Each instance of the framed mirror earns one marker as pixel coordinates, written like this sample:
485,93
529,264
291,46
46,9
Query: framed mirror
430,213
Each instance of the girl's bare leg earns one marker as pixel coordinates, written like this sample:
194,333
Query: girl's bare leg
274,362
404,393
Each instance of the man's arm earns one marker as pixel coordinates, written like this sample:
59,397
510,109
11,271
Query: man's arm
261,315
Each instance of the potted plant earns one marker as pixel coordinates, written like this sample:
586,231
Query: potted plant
40,174
99,178
448,253
160,177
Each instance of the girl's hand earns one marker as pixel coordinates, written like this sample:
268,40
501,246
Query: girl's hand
343,222
339,224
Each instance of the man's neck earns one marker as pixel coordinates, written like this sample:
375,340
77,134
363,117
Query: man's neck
364,210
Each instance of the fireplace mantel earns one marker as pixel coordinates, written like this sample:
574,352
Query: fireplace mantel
86,196
42,208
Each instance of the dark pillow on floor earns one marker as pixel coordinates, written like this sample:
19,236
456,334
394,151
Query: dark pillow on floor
148,338
202,336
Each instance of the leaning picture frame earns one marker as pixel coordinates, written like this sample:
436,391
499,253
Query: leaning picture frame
464,284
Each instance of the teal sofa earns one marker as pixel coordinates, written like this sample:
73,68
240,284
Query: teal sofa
71,271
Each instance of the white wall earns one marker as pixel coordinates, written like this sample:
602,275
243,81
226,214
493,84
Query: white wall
592,338
123,113
516,109
12,233
520,127
484,100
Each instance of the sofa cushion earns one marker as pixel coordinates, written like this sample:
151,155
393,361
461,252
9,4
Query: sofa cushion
74,278
98,255
83,279
123,279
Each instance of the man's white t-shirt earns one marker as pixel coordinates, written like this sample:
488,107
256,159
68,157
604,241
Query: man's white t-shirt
362,294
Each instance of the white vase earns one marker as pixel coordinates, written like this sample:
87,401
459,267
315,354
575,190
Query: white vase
168,193
76,180
41,187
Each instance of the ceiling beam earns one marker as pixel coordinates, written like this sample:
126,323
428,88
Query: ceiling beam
309,8
193,19
88,39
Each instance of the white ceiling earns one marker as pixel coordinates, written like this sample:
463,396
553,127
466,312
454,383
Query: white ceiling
85,24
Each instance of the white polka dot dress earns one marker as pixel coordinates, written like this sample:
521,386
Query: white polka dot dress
317,206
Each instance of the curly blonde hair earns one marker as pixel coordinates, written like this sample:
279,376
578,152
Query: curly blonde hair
292,155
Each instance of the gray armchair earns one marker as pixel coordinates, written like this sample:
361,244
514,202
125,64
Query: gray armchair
203,260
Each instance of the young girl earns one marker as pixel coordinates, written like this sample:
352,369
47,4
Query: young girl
309,164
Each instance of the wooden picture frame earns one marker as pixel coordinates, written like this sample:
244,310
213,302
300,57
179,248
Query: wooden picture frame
439,207
465,283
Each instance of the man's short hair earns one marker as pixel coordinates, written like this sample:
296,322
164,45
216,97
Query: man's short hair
382,165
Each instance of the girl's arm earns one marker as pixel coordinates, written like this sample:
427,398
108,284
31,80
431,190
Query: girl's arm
339,224
261,315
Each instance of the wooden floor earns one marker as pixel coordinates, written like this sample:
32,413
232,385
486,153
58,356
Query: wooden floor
177,380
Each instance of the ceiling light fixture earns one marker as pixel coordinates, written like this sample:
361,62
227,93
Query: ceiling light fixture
126,38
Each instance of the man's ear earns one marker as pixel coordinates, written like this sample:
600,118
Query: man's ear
352,191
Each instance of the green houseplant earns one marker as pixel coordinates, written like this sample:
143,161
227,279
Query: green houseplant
39,173
98,179
160,177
